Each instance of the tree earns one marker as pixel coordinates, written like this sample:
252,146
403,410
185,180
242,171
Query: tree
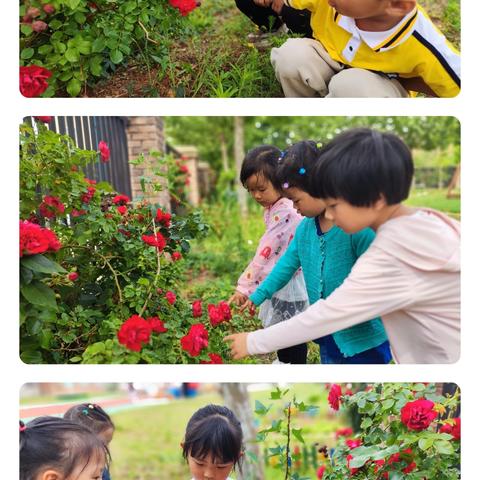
236,398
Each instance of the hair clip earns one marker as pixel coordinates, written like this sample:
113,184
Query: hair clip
302,171
286,185
85,411
282,155
23,427
91,406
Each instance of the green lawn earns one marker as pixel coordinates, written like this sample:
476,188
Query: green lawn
436,199
146,445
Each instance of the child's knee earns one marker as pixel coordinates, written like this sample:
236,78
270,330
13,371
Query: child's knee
289,58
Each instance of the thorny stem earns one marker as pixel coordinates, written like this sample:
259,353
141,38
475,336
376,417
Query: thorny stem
157,274
115,276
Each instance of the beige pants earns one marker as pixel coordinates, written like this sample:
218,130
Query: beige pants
305,69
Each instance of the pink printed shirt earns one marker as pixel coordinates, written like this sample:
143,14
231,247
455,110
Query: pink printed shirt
281,220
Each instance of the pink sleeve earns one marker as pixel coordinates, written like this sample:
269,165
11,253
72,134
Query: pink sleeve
280,230
364,294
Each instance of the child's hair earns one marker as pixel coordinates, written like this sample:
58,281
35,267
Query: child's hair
296,166
214,430
51,442
362,164
262,160
90,415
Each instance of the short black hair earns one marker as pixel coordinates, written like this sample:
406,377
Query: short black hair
262,160
360,165
214,430
90,415
296,166
51,442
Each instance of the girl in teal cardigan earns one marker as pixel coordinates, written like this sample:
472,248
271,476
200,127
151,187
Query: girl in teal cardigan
326,255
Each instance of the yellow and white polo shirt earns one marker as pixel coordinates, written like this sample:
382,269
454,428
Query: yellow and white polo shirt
413,48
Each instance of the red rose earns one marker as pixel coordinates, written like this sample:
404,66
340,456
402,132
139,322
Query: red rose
353,443
104,151
33,80
51,207
196,340
49,9
33,12
184,169
184,6
214,359
157,240
215,315
163,217
91,182
134,332
344,432
156,325
72,276
39,26
418,415
78,213
334,396
453,430
176,256
44,120
171,297
378,465
120,200
197,308
410,467
224,308
122,209
321,471
32,239
88,195
53,243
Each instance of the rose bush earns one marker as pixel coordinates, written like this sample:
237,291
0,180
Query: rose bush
66,45
125,303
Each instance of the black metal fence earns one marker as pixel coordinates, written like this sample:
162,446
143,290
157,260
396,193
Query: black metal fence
87,132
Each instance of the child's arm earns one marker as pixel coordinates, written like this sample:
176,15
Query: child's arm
377,285
281,274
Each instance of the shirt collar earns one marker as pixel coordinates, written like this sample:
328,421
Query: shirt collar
381,41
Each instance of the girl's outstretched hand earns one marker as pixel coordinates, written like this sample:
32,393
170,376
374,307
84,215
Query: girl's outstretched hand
248,304
237,299
238,345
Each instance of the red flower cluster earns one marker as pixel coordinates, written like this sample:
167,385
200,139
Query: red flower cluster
418,415
156,325
334,396
157,240
353,443
104,151
219,313
197,309
34,239
33,80
171,297
214,359
72,276
195,340
403,456
120,199
43,119
353,470
134,332
78,213
176,256
122,209
163,217
51,207
344,432
184,6
453,430
321,471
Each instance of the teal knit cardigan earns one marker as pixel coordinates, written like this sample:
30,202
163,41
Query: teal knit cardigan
326,261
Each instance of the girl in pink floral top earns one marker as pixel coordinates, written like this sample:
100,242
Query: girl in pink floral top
281,220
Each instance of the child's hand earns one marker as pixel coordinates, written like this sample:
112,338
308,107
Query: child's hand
277,6
237,299
262,3
238,345
248,304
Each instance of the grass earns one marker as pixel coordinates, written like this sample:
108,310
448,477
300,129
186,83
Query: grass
146,445
436,199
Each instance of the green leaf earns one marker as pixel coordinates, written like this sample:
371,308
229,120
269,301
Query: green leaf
41,264
73,87
366,422
260,408
31,357
116,56
39,294
27,53
298,435
426,443
443,447
26,30
72,55
98,45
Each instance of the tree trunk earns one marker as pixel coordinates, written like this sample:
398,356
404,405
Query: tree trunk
239,152
224,151
236,398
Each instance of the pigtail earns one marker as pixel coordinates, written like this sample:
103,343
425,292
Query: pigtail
22,431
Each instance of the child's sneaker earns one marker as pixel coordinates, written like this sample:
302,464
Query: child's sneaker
278,362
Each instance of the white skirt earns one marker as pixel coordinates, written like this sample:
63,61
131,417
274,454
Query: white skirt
289,301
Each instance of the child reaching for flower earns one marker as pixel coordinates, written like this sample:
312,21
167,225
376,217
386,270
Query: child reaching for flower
258,175
97,420
410,274
326,255
213,443
52,448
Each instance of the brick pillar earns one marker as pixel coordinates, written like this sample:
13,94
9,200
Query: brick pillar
189,156
145,134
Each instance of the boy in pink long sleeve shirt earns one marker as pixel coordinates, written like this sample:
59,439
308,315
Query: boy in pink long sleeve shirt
410,275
